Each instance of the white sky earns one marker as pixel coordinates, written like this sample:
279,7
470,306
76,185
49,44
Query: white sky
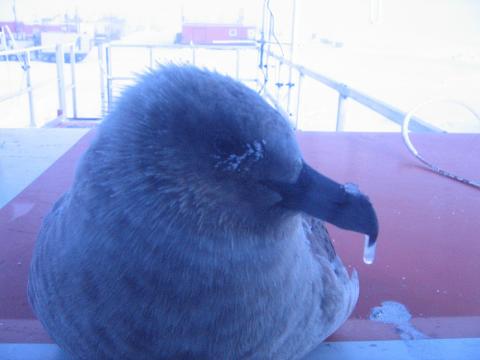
135,11
399,21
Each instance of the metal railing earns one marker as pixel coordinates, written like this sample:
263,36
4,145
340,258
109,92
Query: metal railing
344,92
108,78
24,56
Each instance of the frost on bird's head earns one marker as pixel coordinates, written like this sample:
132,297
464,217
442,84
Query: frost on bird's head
351,188
236,162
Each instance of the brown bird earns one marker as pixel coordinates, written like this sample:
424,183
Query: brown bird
193,230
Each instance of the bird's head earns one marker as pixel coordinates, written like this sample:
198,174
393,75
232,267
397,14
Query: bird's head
214,153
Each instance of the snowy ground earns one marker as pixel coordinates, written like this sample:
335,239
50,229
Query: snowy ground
400,79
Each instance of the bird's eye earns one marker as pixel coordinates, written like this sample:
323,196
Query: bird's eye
227,146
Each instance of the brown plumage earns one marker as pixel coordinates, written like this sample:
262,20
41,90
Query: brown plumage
188,232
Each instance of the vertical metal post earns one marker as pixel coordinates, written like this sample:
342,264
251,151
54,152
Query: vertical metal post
108,58
270,33
193,53
292,41
237,69
101,66
74,80
33,122
299,87
3,39
269,46
375,11
278,80
62,106
261,52
262,37
341,112
380,10
150,55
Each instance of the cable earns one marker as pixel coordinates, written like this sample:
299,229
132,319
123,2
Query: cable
272,28
271,33
261,66
413,150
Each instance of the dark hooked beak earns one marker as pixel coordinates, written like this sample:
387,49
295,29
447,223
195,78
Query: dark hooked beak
341,205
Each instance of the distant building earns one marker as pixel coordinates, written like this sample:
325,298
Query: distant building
23,31
217,34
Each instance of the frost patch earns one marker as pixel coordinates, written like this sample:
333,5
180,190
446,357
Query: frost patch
254,152
392,312
351,188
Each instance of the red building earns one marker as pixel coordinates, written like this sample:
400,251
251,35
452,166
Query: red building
214,34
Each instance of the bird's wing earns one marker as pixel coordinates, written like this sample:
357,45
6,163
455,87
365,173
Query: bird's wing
41,288
319,238
340,291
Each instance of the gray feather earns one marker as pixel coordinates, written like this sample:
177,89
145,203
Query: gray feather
162,250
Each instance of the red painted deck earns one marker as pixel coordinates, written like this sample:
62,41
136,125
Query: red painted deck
428,257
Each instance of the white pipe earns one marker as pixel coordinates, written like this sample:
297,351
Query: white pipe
299,87
102,78
33,122
62,104
74,80
292,42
